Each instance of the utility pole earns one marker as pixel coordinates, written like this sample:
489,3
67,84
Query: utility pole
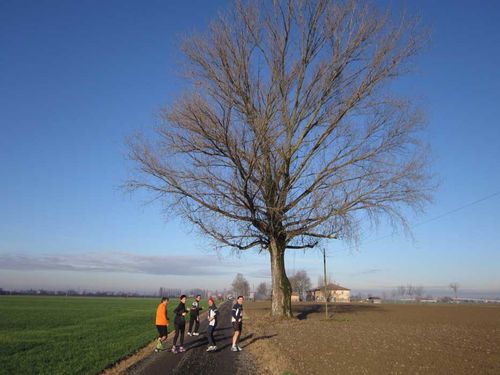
324,282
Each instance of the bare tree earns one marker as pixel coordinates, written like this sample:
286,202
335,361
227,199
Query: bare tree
240,285
300,282
418,291
290,133
263,289
401,291
321,281
394,294
454,286
409,290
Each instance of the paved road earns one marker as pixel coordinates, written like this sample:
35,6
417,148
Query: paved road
196,360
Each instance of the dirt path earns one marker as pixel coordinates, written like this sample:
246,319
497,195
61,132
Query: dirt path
196,359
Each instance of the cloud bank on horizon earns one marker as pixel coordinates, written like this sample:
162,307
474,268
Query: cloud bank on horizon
173,265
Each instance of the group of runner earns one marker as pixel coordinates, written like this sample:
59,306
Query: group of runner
162,323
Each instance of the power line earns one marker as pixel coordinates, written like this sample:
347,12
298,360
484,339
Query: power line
458,209
436,217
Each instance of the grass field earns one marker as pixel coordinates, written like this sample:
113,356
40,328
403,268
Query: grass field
73,335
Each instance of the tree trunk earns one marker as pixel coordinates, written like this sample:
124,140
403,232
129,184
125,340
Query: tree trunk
282,292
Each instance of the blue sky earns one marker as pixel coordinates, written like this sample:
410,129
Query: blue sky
78,77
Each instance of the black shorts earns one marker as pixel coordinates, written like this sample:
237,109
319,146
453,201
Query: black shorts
237,326
162,330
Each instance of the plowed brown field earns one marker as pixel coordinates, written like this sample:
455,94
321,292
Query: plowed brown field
377,339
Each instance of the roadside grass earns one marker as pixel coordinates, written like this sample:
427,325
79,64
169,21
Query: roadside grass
73,335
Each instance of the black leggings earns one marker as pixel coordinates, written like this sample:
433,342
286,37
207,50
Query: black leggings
196,321
179,329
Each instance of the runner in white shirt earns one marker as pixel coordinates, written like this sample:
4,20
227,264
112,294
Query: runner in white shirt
212,323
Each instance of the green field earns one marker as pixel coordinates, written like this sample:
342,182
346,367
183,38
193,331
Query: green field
73,335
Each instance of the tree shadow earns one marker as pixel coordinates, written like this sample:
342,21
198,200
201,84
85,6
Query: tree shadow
305,310
352,308
222,328
203,341
309,310
244,340
254,339
220,334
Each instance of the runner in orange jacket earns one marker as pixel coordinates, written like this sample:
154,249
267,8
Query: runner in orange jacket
162,323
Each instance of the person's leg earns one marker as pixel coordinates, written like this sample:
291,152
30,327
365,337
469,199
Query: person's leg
191,321
197,324
235,337
165,335
212,335
182,328
239,336
176,334
162,336
159,337
209,335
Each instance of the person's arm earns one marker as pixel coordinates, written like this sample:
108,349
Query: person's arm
166,313
234,312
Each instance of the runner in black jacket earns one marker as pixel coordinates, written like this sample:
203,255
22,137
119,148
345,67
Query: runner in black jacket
194,316
180,325
237,322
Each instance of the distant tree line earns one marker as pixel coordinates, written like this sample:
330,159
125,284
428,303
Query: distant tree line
408,291
72,292
176,292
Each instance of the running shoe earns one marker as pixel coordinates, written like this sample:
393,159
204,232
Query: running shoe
181,349
196,333
239,349
159,345
190,334
174,350
234,349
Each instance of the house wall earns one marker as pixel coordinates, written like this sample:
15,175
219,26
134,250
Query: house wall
334,295
342,295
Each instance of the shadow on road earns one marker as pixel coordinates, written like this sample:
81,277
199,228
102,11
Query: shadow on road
224,335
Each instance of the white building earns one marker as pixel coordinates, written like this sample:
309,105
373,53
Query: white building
335,293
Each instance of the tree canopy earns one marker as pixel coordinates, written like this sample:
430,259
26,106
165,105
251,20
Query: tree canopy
291,133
